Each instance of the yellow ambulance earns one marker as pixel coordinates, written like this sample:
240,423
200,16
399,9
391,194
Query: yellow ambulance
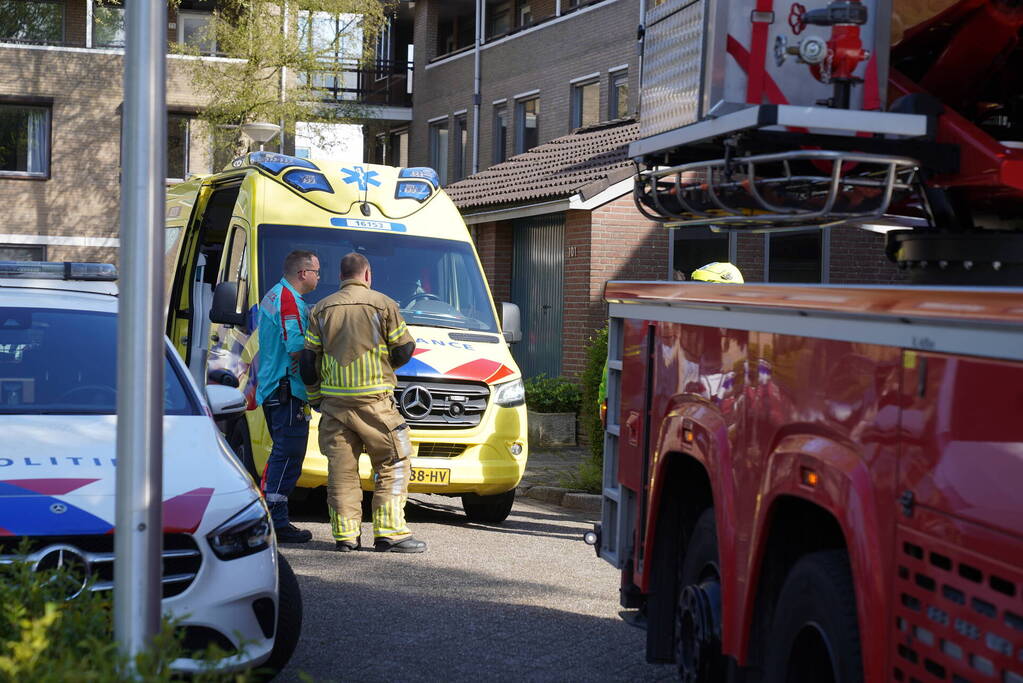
462,394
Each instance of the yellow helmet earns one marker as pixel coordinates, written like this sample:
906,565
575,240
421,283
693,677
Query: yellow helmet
718,272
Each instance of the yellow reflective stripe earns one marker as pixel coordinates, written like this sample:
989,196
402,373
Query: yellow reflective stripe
312,394
342,528
328,390
389,518
396,333
312,338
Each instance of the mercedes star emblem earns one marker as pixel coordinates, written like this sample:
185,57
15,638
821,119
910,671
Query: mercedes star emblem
71,567
416,402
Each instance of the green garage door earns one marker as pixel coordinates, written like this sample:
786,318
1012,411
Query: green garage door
537,288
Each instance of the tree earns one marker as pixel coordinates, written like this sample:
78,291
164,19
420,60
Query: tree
283,56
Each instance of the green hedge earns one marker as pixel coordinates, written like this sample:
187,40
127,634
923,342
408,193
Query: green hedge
45,638
551,395
596,357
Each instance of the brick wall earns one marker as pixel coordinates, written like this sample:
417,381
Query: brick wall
81,197
749,256
494,243
857,257
588,41
613,242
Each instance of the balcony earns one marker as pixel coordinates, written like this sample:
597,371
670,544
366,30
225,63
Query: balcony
383,85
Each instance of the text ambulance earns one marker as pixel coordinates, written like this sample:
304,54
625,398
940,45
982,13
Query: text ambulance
461,393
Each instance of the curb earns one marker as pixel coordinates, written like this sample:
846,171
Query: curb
567,498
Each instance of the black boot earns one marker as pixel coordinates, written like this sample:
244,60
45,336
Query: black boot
292,534
406,545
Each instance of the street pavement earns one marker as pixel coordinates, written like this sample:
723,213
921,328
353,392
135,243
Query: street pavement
523,601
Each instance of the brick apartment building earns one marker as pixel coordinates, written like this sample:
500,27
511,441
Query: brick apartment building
61,96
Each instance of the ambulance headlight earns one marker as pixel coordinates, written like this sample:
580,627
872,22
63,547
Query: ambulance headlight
510,394
246,533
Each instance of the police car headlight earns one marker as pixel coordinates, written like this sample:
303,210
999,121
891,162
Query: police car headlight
246,533
510,394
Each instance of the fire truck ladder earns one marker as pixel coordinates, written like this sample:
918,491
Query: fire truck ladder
801,188
619,503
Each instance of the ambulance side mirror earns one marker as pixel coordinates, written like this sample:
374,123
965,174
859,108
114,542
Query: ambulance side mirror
225,305
511,321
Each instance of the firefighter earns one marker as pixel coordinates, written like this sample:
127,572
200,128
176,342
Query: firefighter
355,339
718,271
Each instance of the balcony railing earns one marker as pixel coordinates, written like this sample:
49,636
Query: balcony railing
381,83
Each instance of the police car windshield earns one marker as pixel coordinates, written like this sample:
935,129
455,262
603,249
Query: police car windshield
436,282
64,362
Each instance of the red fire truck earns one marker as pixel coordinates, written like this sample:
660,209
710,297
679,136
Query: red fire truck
825,483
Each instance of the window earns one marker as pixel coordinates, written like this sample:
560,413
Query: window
32,21
618,95
585,104
398,150
695,247
236,266
461,148
795,257
177,146
524,13
500,133
24,140
195,29
439,150
382,49
499,17
108,25
333,39
527,125
22,252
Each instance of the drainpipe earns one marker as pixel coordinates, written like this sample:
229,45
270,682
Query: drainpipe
284,80
476,89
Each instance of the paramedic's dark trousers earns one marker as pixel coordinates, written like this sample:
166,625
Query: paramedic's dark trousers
289,430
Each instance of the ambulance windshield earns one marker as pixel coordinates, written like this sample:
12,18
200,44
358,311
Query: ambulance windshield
436,282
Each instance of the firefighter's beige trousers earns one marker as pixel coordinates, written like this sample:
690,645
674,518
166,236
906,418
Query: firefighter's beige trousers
377,428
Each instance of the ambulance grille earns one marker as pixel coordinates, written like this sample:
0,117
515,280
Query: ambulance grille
958,616
441,405
440,450
181,557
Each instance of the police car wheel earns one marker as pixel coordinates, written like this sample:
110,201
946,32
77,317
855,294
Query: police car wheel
289,620
488,509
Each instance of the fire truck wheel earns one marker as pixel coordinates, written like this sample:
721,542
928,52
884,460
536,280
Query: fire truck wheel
815,636
488,509
698,612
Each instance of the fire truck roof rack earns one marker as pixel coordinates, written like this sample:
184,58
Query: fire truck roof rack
787,117
801,188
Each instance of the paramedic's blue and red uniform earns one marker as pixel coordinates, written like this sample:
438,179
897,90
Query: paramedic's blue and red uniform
283,317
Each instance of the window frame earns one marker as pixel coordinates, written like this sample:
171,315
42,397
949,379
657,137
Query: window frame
520,123
112,6
616,79
499,141
578,100
438,149
182,13
460,139
40,247
45,104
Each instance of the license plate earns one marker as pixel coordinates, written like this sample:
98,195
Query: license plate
430,475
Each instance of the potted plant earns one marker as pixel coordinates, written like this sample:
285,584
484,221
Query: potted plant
551,406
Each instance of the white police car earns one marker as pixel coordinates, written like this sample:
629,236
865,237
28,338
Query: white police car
222,575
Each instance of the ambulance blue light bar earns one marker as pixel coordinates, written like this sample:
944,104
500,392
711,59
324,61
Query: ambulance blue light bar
58,270
275,163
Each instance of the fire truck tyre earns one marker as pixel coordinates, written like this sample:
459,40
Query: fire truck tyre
289,620
240,443
698,612
815,637
488,509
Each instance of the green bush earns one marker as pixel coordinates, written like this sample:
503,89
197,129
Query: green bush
46,638
588,477
551,395
596,356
